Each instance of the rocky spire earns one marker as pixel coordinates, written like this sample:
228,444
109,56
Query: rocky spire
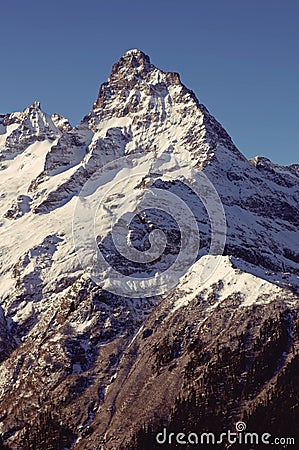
133,62
133,68
35,105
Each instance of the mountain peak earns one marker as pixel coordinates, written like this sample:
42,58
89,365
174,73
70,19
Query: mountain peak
135,52
133,62
135,86
129,74
29,126
35,105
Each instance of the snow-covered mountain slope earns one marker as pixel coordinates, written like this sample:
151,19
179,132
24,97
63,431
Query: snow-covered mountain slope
143,170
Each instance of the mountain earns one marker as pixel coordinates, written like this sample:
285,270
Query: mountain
149,273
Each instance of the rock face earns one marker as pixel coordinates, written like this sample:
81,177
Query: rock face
32,125
85,367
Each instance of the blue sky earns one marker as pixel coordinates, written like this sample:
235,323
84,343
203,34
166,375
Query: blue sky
239,57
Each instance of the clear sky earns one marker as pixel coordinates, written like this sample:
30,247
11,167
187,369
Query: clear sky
239,57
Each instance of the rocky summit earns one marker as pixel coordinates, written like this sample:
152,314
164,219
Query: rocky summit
149,274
